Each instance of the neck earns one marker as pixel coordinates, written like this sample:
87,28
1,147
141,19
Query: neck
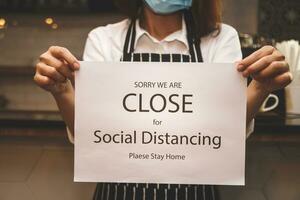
160,26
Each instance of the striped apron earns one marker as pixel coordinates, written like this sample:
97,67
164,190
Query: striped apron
139,191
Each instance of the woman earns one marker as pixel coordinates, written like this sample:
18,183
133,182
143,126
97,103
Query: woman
163,31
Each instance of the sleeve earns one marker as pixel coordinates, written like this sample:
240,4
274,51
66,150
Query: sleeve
228,50
93,50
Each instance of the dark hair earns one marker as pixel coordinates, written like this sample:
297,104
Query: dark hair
206,14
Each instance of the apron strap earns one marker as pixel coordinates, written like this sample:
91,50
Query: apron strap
130,37
133,37
190,36
194,43
127,39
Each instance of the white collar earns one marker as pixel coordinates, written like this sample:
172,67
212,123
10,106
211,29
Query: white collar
180,35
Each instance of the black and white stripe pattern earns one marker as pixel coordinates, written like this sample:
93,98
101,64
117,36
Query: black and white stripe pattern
125,191
154,57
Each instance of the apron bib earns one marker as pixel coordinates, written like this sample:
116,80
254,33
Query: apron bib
138,191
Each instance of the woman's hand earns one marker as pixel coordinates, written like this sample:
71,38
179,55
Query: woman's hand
268,68
55,68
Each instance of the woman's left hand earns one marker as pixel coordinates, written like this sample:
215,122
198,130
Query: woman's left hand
268,68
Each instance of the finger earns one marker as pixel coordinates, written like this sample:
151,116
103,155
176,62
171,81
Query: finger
284,79
50,72
264,51
43,81
60,65
262,63
71,74
65,54
276,68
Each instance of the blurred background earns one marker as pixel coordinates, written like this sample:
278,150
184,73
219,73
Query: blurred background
36,159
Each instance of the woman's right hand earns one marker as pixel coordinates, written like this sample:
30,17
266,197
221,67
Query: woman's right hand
55,70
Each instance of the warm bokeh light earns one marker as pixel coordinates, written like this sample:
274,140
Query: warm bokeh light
54,26
49,21
2,22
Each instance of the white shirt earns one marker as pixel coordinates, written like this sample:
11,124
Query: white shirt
106,43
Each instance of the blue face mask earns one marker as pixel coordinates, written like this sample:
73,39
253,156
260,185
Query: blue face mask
168,6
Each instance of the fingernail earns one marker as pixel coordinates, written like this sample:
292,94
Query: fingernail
76,65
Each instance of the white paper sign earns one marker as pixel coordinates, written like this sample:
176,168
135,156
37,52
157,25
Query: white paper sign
160,123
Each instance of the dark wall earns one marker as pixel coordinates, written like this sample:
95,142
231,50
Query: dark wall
241,14
279,19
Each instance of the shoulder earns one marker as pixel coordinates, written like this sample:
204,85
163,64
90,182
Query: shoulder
226,36
222,45
105,43
110,31
225,32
